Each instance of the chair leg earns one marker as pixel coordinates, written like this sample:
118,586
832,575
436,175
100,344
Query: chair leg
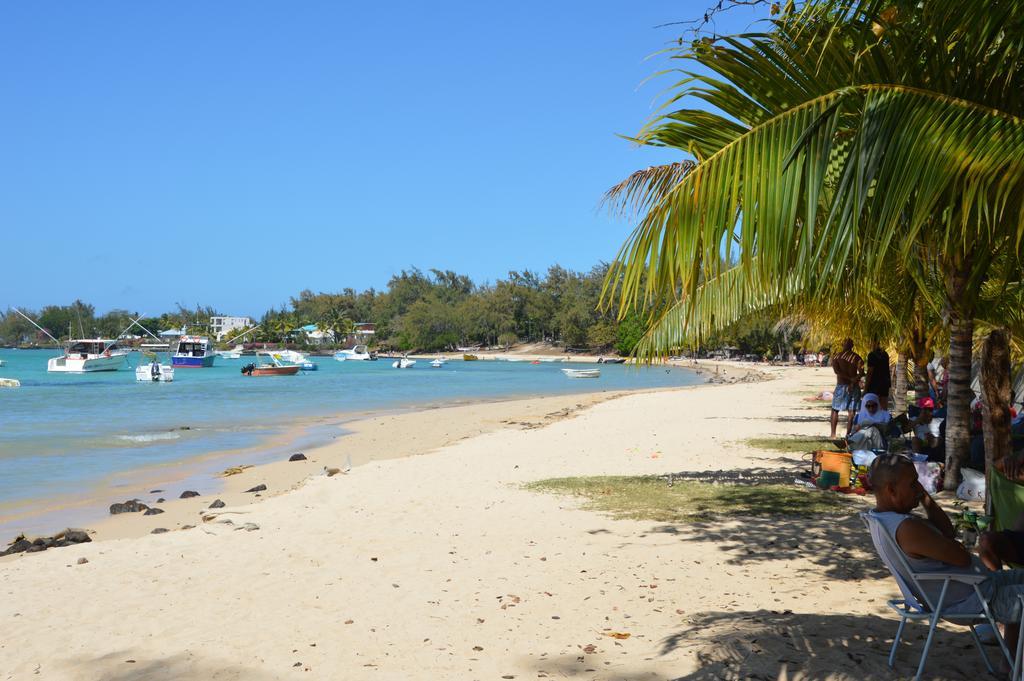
896,642
931,630
981,650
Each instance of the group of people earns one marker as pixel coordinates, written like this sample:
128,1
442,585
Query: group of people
862,391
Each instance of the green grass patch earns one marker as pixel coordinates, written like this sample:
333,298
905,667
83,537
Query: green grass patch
791,444
650,498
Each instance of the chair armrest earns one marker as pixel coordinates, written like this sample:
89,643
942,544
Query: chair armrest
941,576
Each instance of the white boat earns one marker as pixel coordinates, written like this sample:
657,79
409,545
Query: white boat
86,355
10,383
3,362
294,357
154,372
360,352
233,353
403,363
582,373
439,362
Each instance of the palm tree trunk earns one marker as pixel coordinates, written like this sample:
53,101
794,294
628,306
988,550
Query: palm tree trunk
899,385
958,402
995,399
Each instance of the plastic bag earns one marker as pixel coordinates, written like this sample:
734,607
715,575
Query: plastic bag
973,486
928,474
863,457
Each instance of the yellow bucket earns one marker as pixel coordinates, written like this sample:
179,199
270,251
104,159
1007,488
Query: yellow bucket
838,462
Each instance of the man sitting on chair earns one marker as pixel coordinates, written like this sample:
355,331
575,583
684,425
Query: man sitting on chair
929,546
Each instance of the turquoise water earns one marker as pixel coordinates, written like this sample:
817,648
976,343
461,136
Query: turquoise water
62,431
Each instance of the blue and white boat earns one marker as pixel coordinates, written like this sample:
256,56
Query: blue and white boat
193,352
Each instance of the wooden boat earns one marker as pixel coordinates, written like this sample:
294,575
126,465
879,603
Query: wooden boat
469,358
275,368
582,373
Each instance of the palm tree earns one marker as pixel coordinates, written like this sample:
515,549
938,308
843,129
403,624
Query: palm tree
852,135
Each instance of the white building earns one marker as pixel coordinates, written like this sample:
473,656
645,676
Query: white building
225,326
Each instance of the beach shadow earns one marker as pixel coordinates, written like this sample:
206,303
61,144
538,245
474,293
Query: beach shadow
823,418
744,476
775,646
837,546
170,668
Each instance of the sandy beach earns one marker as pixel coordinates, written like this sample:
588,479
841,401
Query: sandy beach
428,560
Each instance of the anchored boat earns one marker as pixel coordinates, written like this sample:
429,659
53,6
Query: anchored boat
582,373
360,352
193,352
273,368
86,355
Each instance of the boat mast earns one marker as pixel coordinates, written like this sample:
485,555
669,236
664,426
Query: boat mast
59,344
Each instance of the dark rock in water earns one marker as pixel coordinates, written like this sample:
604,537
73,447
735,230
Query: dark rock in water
35,548
297,457
188,494
155,491
17,547
75,536
153,511
130,506
257,488
159,530
160,500
218,504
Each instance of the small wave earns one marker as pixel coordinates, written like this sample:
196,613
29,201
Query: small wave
149,437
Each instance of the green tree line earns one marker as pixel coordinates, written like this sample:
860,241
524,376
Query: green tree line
428,311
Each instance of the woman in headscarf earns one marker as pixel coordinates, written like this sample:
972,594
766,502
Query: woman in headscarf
872,423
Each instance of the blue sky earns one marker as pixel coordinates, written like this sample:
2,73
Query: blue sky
232,154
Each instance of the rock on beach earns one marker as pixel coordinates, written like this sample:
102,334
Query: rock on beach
130,506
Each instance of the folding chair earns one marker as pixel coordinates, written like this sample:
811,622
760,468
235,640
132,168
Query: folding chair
917,606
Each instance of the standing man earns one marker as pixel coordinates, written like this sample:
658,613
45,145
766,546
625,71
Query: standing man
878,379
848,367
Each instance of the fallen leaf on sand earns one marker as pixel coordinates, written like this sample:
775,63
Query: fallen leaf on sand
590,648
234,470
617,634
477,648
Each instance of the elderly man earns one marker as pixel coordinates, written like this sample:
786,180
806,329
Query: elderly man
848,367
929,545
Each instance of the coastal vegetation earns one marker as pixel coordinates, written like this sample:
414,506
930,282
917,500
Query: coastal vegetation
428,311
856,165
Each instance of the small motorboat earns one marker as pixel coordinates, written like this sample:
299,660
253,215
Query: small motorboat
3,362
233,353
611,360
438,363
293,357
582,373
274,368
360,352
10,383
469,358
403,363
154,372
